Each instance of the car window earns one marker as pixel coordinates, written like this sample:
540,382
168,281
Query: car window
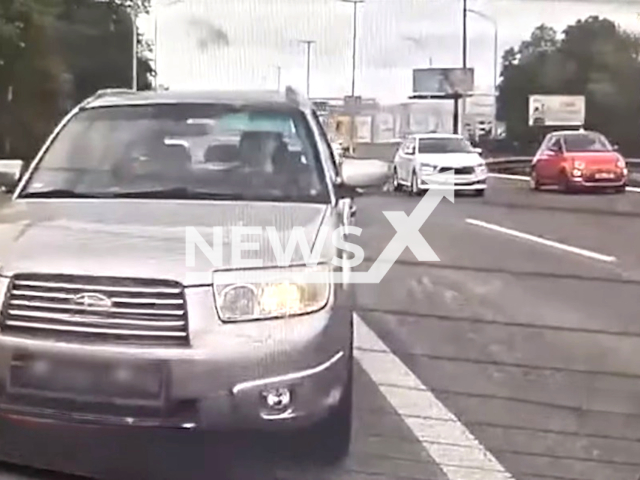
444,145
409,147
262,153
587,142
555,144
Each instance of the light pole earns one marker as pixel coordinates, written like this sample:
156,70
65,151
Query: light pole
309,44
156,14
463,100
494,23
134,32
279,70
354,52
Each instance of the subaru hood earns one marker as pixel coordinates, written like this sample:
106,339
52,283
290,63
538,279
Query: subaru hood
142,238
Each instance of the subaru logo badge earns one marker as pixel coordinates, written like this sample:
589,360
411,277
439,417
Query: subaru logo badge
93,301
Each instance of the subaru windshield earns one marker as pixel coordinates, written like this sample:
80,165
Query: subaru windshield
119,151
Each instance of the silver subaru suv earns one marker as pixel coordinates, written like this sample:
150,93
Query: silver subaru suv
111,317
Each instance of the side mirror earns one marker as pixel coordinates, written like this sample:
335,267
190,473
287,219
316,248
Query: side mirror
616,148
10,173
360,173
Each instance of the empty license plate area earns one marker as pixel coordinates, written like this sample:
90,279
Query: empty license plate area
605,175
84,379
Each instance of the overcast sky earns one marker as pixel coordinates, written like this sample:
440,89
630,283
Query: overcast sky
263,34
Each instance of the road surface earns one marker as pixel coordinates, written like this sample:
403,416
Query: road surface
514,357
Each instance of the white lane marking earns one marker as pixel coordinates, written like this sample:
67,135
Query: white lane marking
633,189
508,176
456,451
543,241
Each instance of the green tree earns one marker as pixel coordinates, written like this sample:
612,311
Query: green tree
28,72
594,58
96,44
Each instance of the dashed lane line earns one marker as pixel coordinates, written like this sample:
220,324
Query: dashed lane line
542,241
452,446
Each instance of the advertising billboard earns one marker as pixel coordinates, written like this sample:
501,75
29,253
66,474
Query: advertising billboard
557,110
442,81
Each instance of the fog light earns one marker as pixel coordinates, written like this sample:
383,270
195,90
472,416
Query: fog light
277,398
577,173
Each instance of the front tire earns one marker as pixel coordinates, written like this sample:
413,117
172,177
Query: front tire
396,182
415,189
534,181
565,183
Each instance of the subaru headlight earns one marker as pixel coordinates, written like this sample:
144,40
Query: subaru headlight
260,294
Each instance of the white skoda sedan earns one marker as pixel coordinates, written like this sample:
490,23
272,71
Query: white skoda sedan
436,160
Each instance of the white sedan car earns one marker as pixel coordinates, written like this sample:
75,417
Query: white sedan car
435,160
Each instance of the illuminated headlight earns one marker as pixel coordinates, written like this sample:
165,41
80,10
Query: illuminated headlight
481,169
243,295
427,169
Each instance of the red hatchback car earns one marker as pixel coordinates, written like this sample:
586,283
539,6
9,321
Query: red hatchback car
576,160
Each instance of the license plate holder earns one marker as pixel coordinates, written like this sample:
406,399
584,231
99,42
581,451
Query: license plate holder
135,382
605,175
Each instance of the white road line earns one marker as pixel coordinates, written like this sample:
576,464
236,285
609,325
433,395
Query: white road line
633,189
509,177
456,451
543,241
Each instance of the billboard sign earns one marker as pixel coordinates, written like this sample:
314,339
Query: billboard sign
557,110
442,81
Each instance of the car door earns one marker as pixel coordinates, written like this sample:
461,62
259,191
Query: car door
407,160
548,159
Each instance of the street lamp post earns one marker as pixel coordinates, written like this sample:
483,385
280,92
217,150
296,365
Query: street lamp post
309,45
156,14
463,99
494,23
134,33
354,52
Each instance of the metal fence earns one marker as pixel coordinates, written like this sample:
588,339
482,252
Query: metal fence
508,165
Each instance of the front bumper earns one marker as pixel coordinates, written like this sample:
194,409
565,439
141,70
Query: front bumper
453,182
217,383
590,180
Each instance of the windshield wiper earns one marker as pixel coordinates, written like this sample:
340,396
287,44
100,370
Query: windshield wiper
59,193
179,193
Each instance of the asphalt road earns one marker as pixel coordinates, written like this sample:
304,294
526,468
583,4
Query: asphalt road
514,357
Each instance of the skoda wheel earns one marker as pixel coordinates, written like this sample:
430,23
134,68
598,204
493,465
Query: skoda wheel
415,189
396,183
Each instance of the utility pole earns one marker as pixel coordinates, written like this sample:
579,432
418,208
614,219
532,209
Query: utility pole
134,47
309,45
156,14
352,130
463,99
279,70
